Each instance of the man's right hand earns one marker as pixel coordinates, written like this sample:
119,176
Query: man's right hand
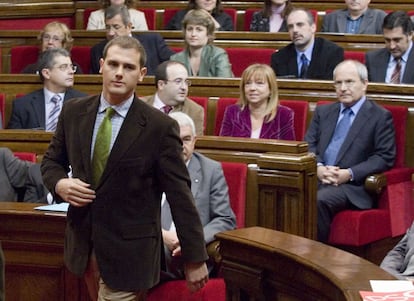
75,192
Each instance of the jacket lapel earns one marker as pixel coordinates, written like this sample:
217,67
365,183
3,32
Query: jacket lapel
331,119
38,104
85,131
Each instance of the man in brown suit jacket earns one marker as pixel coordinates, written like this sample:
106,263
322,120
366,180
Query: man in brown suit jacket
171,80
113,225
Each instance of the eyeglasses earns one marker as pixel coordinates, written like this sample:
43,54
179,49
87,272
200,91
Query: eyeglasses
180,81
47,37
67,67
348,83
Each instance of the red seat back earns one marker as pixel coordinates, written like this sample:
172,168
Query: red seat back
355,55
248,17
21,56
150,17
241,58
82,56
222,103
236,178
300,108
27,156
34,23
168,15
202,101
232,12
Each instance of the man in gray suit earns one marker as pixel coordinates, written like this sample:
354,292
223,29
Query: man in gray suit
392,63
357,18
367,147
171,80
40,109
210,191
400,260
13,173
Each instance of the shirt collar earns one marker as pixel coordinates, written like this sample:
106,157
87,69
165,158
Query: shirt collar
49,94
121,109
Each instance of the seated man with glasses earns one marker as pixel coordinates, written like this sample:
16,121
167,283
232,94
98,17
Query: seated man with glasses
117,24
53,35
351,139
171,81
40,109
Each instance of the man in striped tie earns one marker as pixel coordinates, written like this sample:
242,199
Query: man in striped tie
40,109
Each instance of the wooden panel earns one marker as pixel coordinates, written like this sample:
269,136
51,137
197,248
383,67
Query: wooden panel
263,264
32,242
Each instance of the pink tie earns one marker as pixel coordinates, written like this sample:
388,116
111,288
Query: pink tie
167,109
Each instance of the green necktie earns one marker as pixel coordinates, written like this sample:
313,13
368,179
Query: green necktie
102,144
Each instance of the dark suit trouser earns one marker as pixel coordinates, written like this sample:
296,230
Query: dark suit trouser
331,200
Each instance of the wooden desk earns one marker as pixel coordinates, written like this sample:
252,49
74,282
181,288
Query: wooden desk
263,264
32,242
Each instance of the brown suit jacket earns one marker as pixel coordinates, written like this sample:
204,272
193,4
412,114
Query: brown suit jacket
123,223
189,107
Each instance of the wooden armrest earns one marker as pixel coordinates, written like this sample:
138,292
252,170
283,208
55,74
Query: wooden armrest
375,183
213,251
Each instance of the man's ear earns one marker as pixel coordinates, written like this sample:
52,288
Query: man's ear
101,62
45,73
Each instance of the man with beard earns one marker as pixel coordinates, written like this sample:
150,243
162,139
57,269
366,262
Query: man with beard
171,80
306,57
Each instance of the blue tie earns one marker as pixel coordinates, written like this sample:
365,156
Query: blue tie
338,137
304,67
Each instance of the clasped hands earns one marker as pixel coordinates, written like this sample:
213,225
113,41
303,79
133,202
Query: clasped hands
333,175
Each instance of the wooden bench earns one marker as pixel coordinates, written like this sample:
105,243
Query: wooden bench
263,264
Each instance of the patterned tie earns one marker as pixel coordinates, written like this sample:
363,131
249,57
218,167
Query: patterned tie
52,119
304,68
167,109
102,144
396,74
338,137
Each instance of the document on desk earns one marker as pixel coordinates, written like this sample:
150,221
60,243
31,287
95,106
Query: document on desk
62,207
389,290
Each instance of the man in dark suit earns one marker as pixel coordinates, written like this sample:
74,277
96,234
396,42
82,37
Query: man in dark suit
367,147
211,194
357,18
117,22
306,57
392,64
1,275
113,223
39,110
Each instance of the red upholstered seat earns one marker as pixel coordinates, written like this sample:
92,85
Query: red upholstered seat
82,56
395,210
34,23
21,56
355,55
241,58
300,107
215,290
248,17
202,101
222,104
28,156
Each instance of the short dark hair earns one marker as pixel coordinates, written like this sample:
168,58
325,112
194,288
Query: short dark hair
47,59
396,19
216,11
127,42
311,18
161,71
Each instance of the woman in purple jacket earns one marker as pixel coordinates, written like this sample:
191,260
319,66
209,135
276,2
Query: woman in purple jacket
258,113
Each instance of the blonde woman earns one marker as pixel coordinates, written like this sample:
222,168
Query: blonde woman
258,113
53,35
200,56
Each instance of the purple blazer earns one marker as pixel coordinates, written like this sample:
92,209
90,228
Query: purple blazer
236,123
